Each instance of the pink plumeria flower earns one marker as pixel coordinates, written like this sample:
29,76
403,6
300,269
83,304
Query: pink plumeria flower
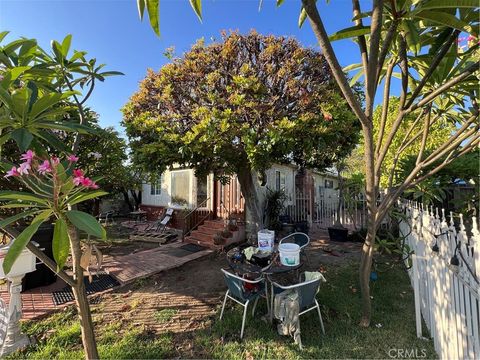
72,158
12,172
28,156
87,182
94,186
78,173
471,38
55,160
44,167
77,180
23,168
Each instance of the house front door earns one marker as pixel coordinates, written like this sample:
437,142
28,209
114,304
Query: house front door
228,199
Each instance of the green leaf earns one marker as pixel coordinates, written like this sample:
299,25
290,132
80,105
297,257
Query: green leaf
280,2
3,34
86,222
445,19
22,137
19,244
197,7
443,4
350,32
18,195
86,196
153,15
66,45
16,217
60,244
303,16
141,8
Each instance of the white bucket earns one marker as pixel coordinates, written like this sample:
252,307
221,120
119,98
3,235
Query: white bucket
265,240
289,254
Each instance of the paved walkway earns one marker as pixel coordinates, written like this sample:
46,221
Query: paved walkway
125,268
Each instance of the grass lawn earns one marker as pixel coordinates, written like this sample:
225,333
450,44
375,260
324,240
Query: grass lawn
393,327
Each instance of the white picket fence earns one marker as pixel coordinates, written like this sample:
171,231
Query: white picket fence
446,295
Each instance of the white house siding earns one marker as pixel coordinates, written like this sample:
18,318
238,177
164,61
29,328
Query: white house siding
164,199
328,195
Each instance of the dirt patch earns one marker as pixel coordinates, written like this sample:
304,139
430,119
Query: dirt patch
184,299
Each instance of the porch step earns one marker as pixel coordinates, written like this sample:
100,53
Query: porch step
216,224
202,236
205,229
208,244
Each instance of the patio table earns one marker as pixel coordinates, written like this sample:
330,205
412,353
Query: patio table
138,215
244,267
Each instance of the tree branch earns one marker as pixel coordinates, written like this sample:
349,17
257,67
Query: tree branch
385,47
81,114
371,75
426,127
433,65
362,44
326,46
386,101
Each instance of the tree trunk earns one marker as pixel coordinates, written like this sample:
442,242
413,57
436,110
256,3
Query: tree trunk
81,300
364,275
252,201
127,199
137,197
367,249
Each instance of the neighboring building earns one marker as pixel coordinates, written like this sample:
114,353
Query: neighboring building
181,189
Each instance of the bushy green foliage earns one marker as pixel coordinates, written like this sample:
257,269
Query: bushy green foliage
249,100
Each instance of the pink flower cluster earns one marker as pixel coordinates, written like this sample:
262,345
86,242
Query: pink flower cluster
80,179
44,166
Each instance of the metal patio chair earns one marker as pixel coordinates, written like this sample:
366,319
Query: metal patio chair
307,290
237,292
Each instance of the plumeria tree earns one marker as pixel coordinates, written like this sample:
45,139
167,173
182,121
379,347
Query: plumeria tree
40,91
415,41
52,187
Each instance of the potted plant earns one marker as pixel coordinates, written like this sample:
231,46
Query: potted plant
218,239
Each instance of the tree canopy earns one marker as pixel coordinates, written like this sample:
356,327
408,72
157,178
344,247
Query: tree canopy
240,105
250,99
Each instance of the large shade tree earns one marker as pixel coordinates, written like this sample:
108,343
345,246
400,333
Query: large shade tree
238,106
415,41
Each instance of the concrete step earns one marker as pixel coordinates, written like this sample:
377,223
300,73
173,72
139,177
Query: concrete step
202,236
206,229
207,244
216,224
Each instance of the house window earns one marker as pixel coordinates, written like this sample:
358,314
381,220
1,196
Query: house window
328,184
156,187
280,181
202,190
180,187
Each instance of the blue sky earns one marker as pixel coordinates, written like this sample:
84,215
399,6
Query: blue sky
112,32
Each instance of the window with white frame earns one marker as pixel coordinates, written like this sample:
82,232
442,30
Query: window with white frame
180,184
156,187
280,181
328,184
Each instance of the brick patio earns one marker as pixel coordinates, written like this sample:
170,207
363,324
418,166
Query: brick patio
126,268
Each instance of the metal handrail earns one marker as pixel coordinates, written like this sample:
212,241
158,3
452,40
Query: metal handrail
202,204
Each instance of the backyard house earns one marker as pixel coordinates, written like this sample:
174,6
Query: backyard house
182,190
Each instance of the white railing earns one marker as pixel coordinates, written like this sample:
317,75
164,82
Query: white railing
445,276
322,212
